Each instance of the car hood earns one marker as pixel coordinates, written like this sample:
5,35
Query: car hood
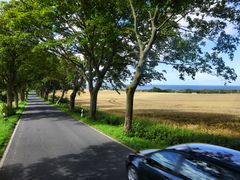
147,151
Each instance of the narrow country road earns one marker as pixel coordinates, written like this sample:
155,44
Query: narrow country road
50,145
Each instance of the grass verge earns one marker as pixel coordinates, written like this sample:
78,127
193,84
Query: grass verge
148,134
7,126
112,126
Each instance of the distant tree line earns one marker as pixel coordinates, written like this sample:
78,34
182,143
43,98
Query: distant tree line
202,91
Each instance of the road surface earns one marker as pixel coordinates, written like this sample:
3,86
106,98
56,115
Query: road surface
50,145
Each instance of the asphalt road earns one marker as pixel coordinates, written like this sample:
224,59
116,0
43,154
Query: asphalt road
50,145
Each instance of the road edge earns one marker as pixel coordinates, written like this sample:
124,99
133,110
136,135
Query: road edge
9,143
113,139
133,150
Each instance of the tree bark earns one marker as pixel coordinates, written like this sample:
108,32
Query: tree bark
93,97
72,99
27,95
129,108
10,86
62,95
9,99
16,98
22,95
93,103
46,95
76,87
42,93
130,91
53,95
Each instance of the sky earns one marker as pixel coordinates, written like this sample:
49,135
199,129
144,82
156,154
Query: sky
172,75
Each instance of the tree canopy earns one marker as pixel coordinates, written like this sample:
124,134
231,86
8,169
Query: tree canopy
110,43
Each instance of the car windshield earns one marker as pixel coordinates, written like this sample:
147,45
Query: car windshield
168,160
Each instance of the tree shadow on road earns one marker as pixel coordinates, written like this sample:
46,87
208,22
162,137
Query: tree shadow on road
103,162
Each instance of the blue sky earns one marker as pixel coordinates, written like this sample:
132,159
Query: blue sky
201,78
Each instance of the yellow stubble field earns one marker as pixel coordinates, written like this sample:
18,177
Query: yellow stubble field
212,113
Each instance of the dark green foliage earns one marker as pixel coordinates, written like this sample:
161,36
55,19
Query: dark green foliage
171,135
102,117
64,100
208,91
109,118
204,91
156,89
3,109
3,97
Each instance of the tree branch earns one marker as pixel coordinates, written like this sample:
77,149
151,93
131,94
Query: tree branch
135,26
164,22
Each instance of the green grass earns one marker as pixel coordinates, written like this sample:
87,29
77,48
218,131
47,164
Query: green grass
7,126
148,134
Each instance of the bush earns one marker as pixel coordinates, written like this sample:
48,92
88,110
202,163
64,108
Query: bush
171,135
102,117
3,97
3,109
64,101
109,118
156,89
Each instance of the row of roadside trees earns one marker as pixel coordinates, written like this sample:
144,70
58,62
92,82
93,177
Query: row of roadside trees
51,45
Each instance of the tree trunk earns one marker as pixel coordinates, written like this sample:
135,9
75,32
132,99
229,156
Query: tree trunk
27,95
42,93
130,91
76,87
72,99
74,93
10,85
46,95
129,108
93,103
16,98
62,95
9,100
53,95
22,95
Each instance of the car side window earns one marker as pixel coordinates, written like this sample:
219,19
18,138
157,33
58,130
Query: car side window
167,159
194,168
197,169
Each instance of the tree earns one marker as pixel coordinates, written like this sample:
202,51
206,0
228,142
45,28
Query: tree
70,78
77,86
14,46
63,78
91,31
175,33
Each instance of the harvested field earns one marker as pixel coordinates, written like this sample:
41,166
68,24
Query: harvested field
212,113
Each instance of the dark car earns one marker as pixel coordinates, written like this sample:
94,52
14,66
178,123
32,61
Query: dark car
185,161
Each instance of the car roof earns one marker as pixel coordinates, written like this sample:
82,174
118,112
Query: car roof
225,155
